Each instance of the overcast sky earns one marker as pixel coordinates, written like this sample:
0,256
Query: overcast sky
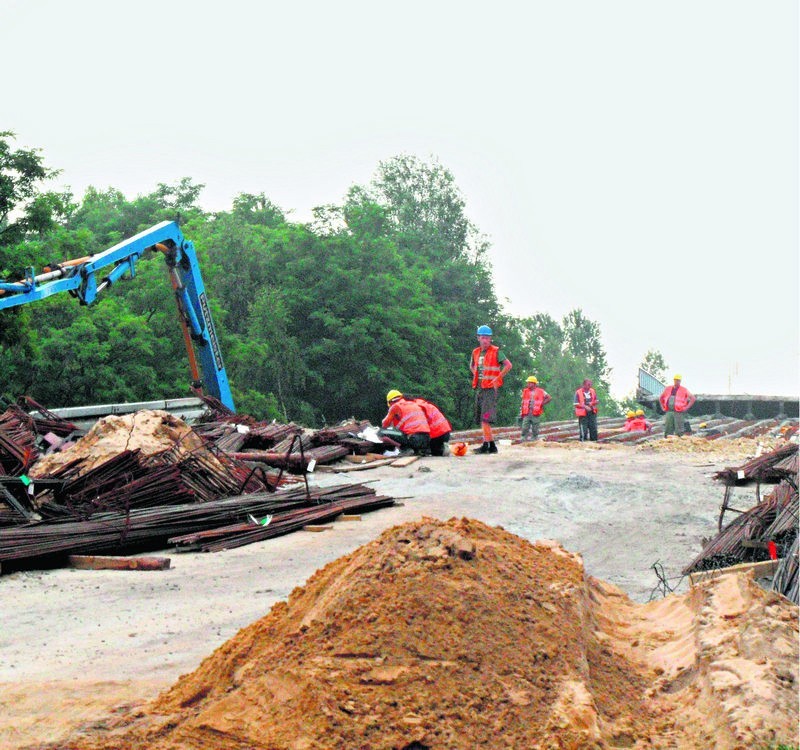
636,159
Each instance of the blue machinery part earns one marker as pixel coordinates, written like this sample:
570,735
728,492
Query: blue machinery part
80,278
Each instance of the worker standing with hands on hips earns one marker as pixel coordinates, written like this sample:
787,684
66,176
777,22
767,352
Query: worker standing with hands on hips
586,411
676,400
533,400
405,422
488,366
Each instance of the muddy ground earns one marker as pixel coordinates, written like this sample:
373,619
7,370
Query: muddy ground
74,644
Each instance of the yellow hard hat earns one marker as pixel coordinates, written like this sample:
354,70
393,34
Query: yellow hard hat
532,379
392,395
630,414
677,377
640,412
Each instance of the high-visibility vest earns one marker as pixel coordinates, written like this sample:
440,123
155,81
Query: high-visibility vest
533,401
491,367
407,417
437,422
682,398
637,424
580,401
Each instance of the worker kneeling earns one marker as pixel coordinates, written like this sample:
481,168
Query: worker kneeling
405,422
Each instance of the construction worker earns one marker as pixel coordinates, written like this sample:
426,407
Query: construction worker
533,400
638,423
629,417
440,428
676,400
405,422
586,410
488,367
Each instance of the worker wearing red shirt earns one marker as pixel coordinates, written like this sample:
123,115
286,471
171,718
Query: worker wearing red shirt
533,400
676,400
405,422
488,365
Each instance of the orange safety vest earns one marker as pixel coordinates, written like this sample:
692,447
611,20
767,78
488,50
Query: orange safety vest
533,401
491,367
638,424
437,422
682,398
580,402
407,417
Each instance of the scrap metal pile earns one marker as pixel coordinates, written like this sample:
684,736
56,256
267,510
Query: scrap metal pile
767,530
147,479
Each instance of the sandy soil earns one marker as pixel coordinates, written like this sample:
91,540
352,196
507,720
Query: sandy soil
76,644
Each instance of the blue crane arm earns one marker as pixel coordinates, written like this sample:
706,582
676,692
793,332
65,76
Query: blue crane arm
80,277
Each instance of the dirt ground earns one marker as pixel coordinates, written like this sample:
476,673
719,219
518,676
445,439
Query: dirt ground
75,645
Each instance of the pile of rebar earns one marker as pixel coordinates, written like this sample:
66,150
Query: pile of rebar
132,480
45,421
151,527
322,506
764,468
787,580
18,449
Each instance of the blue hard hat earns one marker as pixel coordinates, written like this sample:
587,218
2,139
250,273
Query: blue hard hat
484,331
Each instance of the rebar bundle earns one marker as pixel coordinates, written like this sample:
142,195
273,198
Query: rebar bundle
787,580
17,441
727,547
763,468
147,527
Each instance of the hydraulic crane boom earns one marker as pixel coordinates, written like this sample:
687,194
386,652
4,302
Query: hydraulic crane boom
80,277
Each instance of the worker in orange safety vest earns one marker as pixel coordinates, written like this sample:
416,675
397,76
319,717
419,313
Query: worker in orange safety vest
676,400
405,422
586,411
439,426
488,366
638,423
534,398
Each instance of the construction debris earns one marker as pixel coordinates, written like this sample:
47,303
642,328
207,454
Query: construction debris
766,531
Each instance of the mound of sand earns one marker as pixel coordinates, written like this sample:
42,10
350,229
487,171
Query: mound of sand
458,635
151,431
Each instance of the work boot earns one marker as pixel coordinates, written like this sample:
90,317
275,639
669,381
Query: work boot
492,447
483,449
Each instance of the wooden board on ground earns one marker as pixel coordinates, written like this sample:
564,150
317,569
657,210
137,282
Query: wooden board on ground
348,517
95,562
317,527
405,461
365,459
763,569
356,467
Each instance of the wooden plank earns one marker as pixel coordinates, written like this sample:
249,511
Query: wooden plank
399,463
348,517
316,527
365,459
762,569
95,562
358,467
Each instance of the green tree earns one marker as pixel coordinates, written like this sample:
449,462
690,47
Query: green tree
22,172
654,363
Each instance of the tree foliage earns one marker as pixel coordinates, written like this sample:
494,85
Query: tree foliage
317,321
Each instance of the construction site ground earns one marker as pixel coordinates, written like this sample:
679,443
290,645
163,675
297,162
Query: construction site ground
79,646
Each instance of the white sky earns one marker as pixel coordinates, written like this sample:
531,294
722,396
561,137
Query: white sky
636,159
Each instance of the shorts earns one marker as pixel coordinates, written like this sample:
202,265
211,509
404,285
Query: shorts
485,405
